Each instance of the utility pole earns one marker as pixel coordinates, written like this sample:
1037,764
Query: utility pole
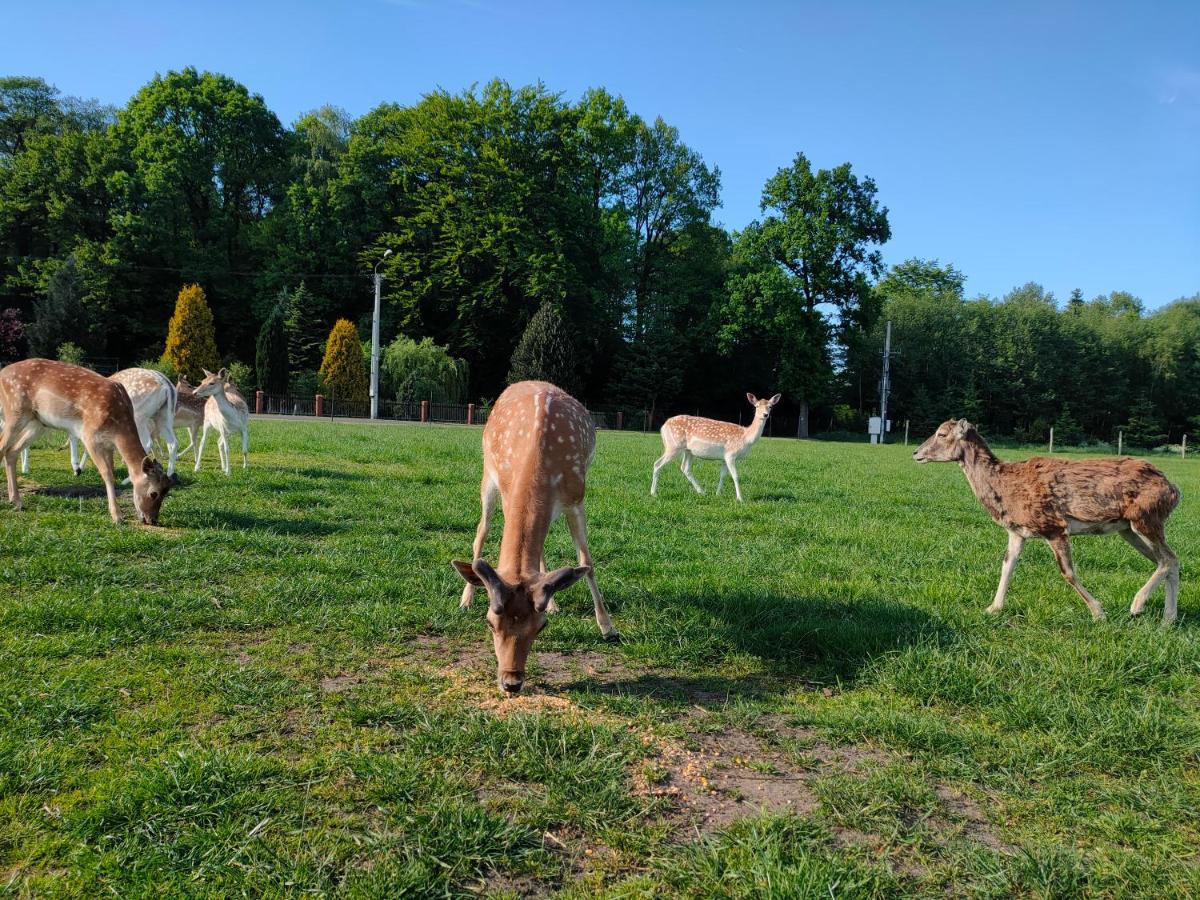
375,339
885,382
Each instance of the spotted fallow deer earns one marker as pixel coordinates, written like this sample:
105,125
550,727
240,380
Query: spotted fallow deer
189,415
537,446
225,411
40,393
1054,498
154,402
711,439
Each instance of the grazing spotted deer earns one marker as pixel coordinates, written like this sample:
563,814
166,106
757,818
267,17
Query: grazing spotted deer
154,401
537,446
225,411
189,415
1054,498
40,393
711,439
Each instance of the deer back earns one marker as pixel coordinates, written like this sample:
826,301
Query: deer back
537,446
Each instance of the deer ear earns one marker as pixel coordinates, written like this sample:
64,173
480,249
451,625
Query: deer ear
222,374
776,399
751,398
558,580
148,465
468,574
207,374
961,427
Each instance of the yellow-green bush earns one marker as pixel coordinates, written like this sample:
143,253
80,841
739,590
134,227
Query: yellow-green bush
191,337
343,372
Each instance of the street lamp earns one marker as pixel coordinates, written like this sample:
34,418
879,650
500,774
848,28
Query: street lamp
375,340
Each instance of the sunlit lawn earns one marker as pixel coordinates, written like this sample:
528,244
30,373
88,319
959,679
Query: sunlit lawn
276,694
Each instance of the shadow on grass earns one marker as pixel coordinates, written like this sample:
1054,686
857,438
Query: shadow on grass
803,643
332,474
296,527
73,491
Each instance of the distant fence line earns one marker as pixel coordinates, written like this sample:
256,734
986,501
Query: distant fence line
320,406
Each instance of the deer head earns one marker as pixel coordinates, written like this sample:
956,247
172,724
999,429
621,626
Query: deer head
762,408
212,385
946,444
516,613
150,487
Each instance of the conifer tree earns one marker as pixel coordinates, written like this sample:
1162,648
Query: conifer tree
191,336
343,371
271,350
545,351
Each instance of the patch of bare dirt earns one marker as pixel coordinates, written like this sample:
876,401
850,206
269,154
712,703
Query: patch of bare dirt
968,817
336,684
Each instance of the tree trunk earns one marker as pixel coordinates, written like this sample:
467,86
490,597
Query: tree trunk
802,423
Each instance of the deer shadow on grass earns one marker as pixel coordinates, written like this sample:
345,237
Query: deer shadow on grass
802,643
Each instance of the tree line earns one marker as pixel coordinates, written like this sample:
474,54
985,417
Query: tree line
531,235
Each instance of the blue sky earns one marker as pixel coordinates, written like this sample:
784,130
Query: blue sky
1056,142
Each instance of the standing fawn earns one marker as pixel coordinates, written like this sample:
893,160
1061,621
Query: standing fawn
40,393
537,446
189,415
711,439
1055,498
225,411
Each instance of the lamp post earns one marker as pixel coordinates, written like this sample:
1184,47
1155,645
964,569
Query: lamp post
375,339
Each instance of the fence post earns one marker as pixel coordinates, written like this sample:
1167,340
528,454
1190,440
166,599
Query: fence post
318,406
906,432
258,399
470,413
1183,448
1051,440
620,420
424,410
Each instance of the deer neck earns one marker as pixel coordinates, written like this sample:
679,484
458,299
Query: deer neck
223,404
526,524
754,430
132,452
982,469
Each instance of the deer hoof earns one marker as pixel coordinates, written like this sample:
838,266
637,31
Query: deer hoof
613,637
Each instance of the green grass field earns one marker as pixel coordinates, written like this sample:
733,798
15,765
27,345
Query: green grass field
275,693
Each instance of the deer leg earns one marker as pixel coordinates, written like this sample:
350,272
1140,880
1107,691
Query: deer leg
686,466
1154,547
200,450
78,457
721,477
245,445
577,522
1061,545
223,447
488,494
667,455
737,485
25,461
166,429
1011,556
103,459
16,443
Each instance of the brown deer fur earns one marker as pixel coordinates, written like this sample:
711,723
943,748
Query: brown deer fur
40,393
1053,498
537,446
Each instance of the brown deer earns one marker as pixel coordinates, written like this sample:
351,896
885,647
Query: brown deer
1055,498
189,415
537,446
711,439
40,393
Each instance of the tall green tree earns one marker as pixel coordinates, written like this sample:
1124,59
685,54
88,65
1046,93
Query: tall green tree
812,260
